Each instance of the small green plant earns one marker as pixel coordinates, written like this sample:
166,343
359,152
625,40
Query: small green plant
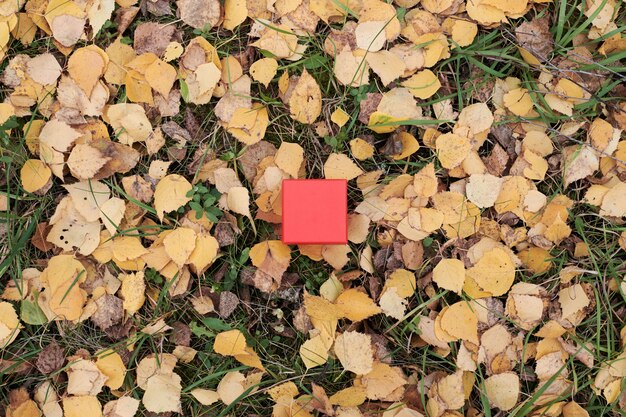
152,275
203,201
236,263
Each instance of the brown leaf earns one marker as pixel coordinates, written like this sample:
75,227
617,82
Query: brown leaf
51,358
124,16
338,39
123,158
192,125
138,188
497,161
369,106
176,132
153,37
254,154
200,14
158,7
109,312
413,255
224,234
535,37
168,106
39,237
181,334
228,303
119,331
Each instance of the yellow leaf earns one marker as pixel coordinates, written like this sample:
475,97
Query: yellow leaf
572,300
305,102
494,272
163,393
179,244
331,288
452,149
354,351
264,70
278,39
205,396
132,291
403,281
460,322
356,305
370,35
409,145
339,166
9,324
84,378
284,390
86,161
81,406
289,158
137,88
461,31
170,194
349,397
86,66
119,54
250,358
272,258
382,381
392,304
449,274
173,51
572,409
518,101
230,343
423,84
502,390
123,407
314,352
161,76
129,122
249,125
110,364
62,278
35,175
336,255
483,189
204,253
350,69
361,149
235,13
339,117
231,386
387,65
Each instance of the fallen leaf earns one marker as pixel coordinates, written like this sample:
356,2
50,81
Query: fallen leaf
572,300
502,390
35,176
305,102
339,166
289,158
449,274
205,396
170,194
264,70
354,351
356,305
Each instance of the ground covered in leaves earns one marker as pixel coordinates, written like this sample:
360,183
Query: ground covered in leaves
143,147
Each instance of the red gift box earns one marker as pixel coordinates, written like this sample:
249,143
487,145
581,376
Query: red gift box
315,212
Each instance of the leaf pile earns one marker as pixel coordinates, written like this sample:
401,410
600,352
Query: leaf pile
463,237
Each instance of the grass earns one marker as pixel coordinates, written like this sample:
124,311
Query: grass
267,320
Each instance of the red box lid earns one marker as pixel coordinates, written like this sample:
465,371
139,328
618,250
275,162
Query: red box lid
315,212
